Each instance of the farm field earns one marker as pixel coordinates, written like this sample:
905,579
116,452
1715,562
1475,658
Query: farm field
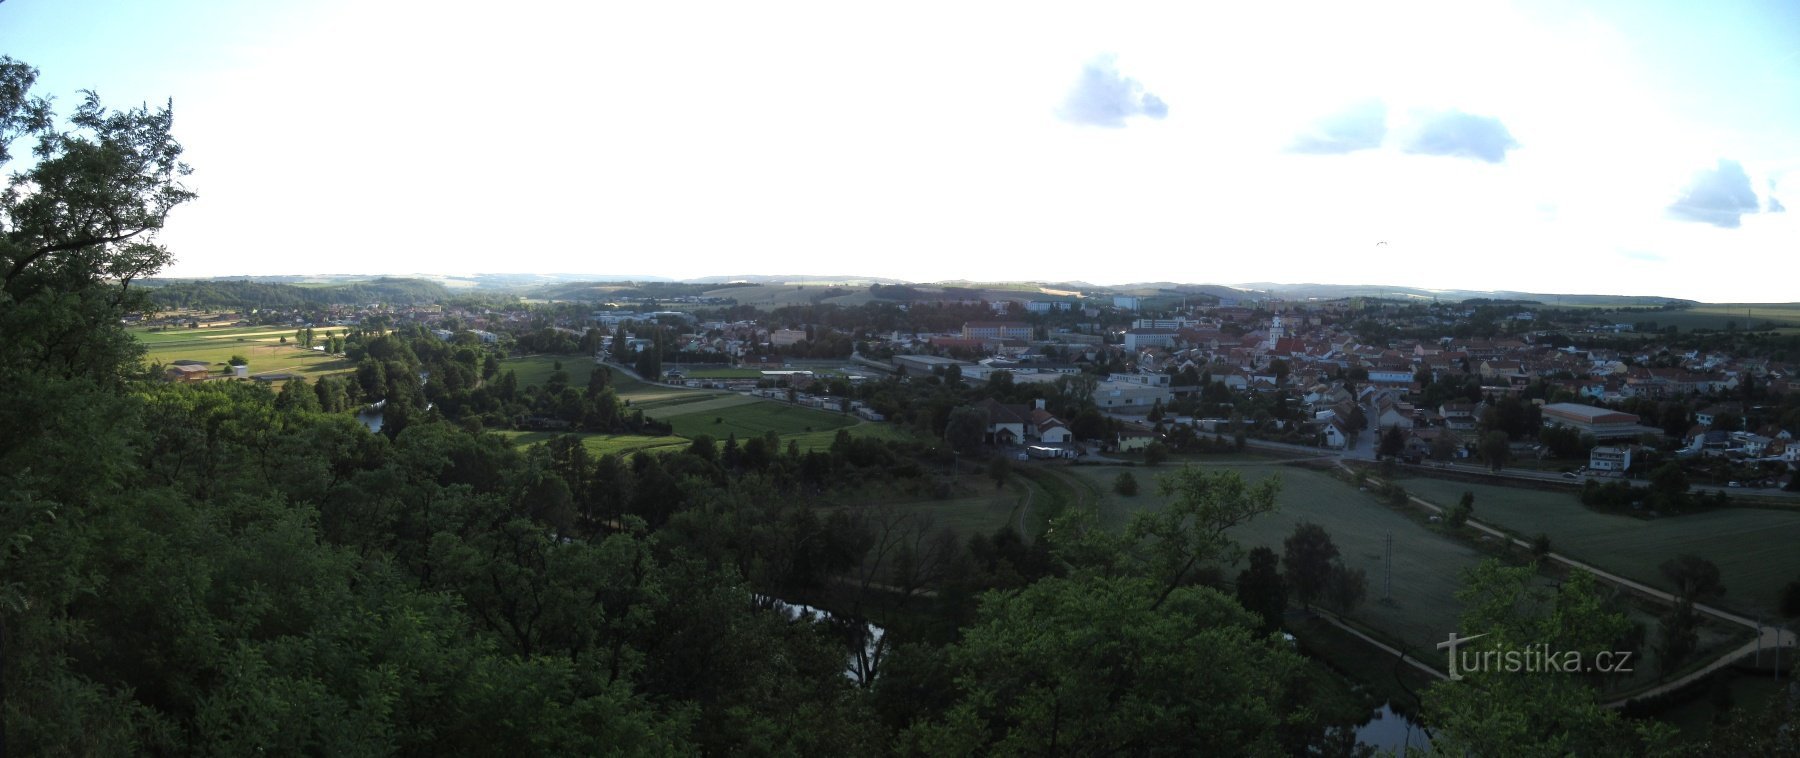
261,346
701,372
751,419
1718,316
979,507
711,412
1753,547
603,444
1428,567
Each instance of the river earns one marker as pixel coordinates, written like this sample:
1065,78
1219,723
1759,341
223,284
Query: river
1389,730
861,666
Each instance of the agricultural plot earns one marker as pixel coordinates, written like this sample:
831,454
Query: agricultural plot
260,346
536,369
753,419
1718,316
603,444
699,372
1428,567
711,412
978,508
1753,547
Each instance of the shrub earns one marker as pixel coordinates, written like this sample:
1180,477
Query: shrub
1125,484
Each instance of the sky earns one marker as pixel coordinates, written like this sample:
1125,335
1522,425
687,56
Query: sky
1639,147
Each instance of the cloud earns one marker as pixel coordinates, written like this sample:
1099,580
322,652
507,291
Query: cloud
1104,97
1640,255
1457,134
1719,196
1359,127
1774,205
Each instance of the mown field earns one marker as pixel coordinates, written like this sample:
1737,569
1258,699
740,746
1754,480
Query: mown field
1428,567
1718,316
713,412
260,346
604,444
1754,548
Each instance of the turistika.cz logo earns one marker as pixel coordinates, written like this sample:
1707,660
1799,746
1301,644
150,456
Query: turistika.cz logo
1530,659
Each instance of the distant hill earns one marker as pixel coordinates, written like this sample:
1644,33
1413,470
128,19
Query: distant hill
1335,291
244,293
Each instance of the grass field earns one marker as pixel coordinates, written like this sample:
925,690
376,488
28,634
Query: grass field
1428,567
712,412
260,345
752,419
977,508
1753,547
1717,316
604,444
718,372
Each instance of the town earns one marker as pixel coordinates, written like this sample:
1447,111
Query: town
1574,395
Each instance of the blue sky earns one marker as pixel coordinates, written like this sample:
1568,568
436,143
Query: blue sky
1606,147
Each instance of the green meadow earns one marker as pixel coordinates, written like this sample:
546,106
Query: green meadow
260,346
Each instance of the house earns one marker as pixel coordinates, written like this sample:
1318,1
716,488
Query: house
1047,428
1610,458
1006,423
1458,414
1135,437
188,372
1337,433
1394,414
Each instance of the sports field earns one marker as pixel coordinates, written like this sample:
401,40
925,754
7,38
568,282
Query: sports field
260,345
1753,547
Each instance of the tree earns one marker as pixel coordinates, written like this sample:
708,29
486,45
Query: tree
1495,449
1155,453
966,428
1193,528
1694,578
1668,487
1459,514
1540,546
1680,636
1345,588
1261,590
999,469
1125,484
1109,666
1393,441
1790,600
238,360
1308,557
1534,714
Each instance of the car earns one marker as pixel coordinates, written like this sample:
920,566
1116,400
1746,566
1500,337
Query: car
1570,475
1735,484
